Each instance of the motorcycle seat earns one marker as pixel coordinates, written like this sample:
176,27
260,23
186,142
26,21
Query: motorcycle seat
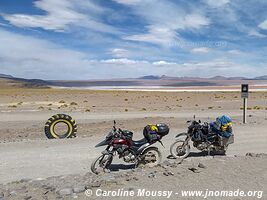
139,143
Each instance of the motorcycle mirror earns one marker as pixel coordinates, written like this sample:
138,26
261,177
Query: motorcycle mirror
194,116
114,122
188,121
199,121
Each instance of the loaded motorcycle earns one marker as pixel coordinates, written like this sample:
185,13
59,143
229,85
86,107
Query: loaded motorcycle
203,139
119,142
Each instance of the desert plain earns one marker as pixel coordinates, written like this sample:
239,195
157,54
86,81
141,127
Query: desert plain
29,161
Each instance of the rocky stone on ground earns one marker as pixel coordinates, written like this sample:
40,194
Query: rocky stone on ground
193,169
201,165
152,175
79,189
258,155
65,192
2,194
73,186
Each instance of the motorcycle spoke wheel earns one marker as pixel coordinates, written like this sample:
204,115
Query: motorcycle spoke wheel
101,164
179,150
150,158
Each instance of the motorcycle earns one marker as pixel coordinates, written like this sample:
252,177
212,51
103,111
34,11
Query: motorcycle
119,142
203,139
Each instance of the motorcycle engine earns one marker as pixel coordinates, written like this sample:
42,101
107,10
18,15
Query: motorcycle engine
121,148
128,157
200,145
123,151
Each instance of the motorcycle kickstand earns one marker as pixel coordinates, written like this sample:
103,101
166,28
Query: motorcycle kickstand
208,151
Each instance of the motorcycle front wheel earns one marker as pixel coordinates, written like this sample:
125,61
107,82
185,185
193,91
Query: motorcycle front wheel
101,163
150,157
179,150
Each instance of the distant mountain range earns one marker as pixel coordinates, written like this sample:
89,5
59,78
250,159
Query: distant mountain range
149,80
5,76
154,77
28,83
261,78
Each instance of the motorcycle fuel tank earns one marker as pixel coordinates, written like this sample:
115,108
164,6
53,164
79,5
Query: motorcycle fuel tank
121,142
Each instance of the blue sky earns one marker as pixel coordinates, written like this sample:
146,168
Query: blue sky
99,39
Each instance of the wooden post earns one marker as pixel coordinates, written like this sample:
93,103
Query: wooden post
245,105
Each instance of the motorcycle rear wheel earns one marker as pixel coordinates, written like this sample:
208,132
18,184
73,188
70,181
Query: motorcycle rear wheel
152,154
178,150
101,163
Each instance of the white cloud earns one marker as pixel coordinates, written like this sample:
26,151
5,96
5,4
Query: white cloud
235,52
257,34
24,56
119,53
164,34
60,14
5,25
263,25
220,67
162,62
200,50
128,2
195,21
156,34
164,20
123,61
217,3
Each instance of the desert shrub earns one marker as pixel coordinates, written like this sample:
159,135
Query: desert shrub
12,106
73,104
61,101
256,107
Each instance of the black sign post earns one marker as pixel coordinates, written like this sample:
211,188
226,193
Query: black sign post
244,95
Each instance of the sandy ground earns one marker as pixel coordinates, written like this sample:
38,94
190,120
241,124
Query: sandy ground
26,153
41,158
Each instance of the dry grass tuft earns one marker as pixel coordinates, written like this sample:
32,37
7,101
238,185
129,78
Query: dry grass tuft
73,104
12,106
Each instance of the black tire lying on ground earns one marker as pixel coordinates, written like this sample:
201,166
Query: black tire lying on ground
67,120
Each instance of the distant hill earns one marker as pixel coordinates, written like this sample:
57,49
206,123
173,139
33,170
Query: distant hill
227,78
236,78
5,76
150,77
192,83
10,81
219,78
150,80
261,77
